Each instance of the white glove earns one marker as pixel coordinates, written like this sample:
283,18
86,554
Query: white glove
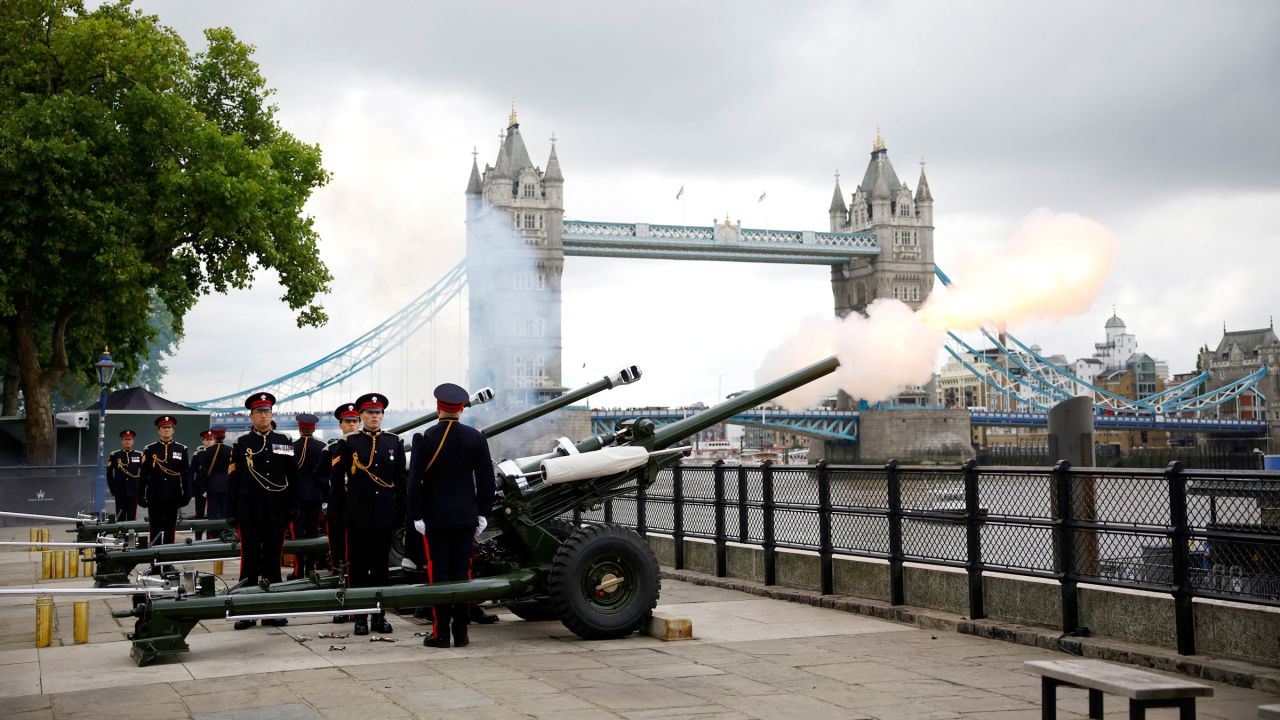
324,506
481,523
420,526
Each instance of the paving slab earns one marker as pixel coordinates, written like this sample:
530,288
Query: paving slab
752,658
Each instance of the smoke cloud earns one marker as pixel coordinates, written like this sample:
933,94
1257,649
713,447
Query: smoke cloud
1051,268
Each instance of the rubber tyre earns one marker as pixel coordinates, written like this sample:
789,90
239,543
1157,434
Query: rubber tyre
541,609
588,556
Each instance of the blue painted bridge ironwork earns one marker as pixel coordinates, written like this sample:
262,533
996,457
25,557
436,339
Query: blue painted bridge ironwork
1128,422
838,425
842,425
725,242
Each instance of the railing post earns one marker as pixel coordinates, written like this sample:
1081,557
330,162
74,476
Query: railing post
743,517
1064,524
973,536
677,515
893,484
717,473
770,548
577,517
608,510
824,527
1183,611
641,520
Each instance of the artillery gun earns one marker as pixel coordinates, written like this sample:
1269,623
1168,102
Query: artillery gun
114,565
601,580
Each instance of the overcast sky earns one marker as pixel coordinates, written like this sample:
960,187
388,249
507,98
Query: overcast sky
1157,119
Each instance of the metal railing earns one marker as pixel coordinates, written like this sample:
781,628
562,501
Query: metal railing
1188,533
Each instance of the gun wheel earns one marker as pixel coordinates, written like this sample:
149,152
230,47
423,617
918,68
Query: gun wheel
604,582
541,609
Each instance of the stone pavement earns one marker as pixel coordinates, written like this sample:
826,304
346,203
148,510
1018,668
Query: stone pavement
753,658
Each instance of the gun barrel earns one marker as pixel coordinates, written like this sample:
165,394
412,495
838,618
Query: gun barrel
668,435
33,516
481,396
626,376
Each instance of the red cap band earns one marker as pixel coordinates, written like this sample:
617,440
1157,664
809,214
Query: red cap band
371,406
306,426
445,407
349,414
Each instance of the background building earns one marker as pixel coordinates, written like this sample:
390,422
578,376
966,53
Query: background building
1239,353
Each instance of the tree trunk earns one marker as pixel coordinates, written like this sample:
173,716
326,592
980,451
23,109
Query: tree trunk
37,382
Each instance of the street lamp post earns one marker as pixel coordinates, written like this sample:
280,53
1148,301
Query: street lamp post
105,369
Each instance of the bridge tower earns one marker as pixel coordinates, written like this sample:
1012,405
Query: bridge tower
903,224
515,259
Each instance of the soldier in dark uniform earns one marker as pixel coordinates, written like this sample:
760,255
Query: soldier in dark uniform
370,465
165,481
348,416
124,470
199,492
313,485
451,491
262,496
213,466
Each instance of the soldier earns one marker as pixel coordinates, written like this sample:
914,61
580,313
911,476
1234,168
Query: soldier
313,485
124,469
164,481
197,483
348,416
261,497
370,467
213,466
451,491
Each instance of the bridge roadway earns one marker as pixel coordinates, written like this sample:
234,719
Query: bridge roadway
754,657
834,425
843,425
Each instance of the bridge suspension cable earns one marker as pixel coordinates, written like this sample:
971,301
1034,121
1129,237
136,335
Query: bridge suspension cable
356,355
1042,382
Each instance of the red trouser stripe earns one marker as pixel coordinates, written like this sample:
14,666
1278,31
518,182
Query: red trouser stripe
297,559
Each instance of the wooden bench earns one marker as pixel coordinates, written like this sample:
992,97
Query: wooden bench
1269,712
1144,689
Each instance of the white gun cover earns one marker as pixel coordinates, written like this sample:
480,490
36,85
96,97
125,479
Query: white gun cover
602,462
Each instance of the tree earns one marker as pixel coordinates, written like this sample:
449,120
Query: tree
133,169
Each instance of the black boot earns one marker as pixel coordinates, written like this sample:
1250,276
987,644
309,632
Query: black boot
478,615
276,622
245,624
380,624
435,642
362,625
460,638
342,618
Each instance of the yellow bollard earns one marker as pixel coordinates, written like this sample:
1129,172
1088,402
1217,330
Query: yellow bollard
44,621
44,534
81,624
73,563
217,567
59,564
35,538
46,565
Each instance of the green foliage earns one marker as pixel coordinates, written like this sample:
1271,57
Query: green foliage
132,169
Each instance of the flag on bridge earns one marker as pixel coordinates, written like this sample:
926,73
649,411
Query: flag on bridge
680,192
762,196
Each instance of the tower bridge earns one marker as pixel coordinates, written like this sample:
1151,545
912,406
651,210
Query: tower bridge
878,243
